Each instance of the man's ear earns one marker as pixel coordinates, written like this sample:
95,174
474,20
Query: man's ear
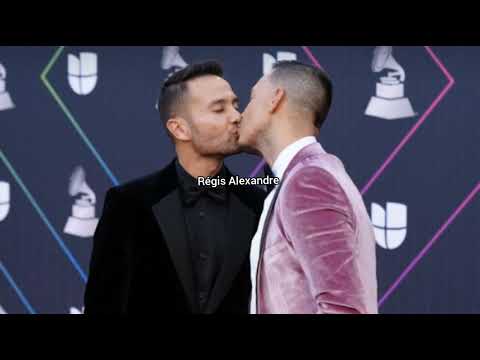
277,99
179,128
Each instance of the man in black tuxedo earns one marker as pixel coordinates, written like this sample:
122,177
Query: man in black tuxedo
165,244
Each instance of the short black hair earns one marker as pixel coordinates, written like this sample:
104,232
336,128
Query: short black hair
307,85
175,87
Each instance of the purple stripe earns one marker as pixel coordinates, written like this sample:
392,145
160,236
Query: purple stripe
427,247
257,168
311,57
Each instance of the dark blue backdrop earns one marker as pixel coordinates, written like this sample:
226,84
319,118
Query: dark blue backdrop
428,162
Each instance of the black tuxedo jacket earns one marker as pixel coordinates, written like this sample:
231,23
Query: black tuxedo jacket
140,260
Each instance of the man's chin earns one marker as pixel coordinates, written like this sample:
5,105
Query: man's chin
245,148
242,149
232,150
236,151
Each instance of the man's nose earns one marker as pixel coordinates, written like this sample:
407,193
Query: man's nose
237,117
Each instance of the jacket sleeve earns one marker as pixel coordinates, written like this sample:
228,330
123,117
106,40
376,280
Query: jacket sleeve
320,225
108,280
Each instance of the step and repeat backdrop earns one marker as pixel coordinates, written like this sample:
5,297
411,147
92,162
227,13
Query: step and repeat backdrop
75,121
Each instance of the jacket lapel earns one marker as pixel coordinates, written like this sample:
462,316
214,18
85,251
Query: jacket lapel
309,150
264,235
169,216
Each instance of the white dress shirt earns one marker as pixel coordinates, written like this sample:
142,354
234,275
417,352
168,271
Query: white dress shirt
279,166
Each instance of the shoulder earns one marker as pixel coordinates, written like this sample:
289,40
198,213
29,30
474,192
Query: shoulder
315,170
147,189
315,180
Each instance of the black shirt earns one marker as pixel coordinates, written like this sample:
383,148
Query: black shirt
207,235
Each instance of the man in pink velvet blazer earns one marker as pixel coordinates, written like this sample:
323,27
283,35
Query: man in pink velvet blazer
314,250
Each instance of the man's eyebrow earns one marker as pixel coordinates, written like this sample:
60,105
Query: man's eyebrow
217,102
222,101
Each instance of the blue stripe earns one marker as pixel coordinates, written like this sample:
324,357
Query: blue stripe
42,215
22,297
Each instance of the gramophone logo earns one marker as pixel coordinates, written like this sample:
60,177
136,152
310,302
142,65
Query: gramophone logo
172,60
83,222
82,72
389,102
390,226
4,199
269,60
2,311
6,102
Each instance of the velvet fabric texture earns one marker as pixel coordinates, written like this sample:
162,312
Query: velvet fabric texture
319,247
141,259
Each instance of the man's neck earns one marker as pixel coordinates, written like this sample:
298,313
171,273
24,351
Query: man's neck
271,148
200,166
290,128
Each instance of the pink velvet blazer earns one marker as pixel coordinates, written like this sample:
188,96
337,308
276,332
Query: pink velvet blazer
318,247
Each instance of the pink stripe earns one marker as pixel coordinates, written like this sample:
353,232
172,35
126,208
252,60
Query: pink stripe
312,58
427,247
440,65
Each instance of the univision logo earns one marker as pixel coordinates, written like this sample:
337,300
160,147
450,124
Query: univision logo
82,72
390,225
269,60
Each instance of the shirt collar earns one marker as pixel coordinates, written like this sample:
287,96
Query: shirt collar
187,180
287,154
